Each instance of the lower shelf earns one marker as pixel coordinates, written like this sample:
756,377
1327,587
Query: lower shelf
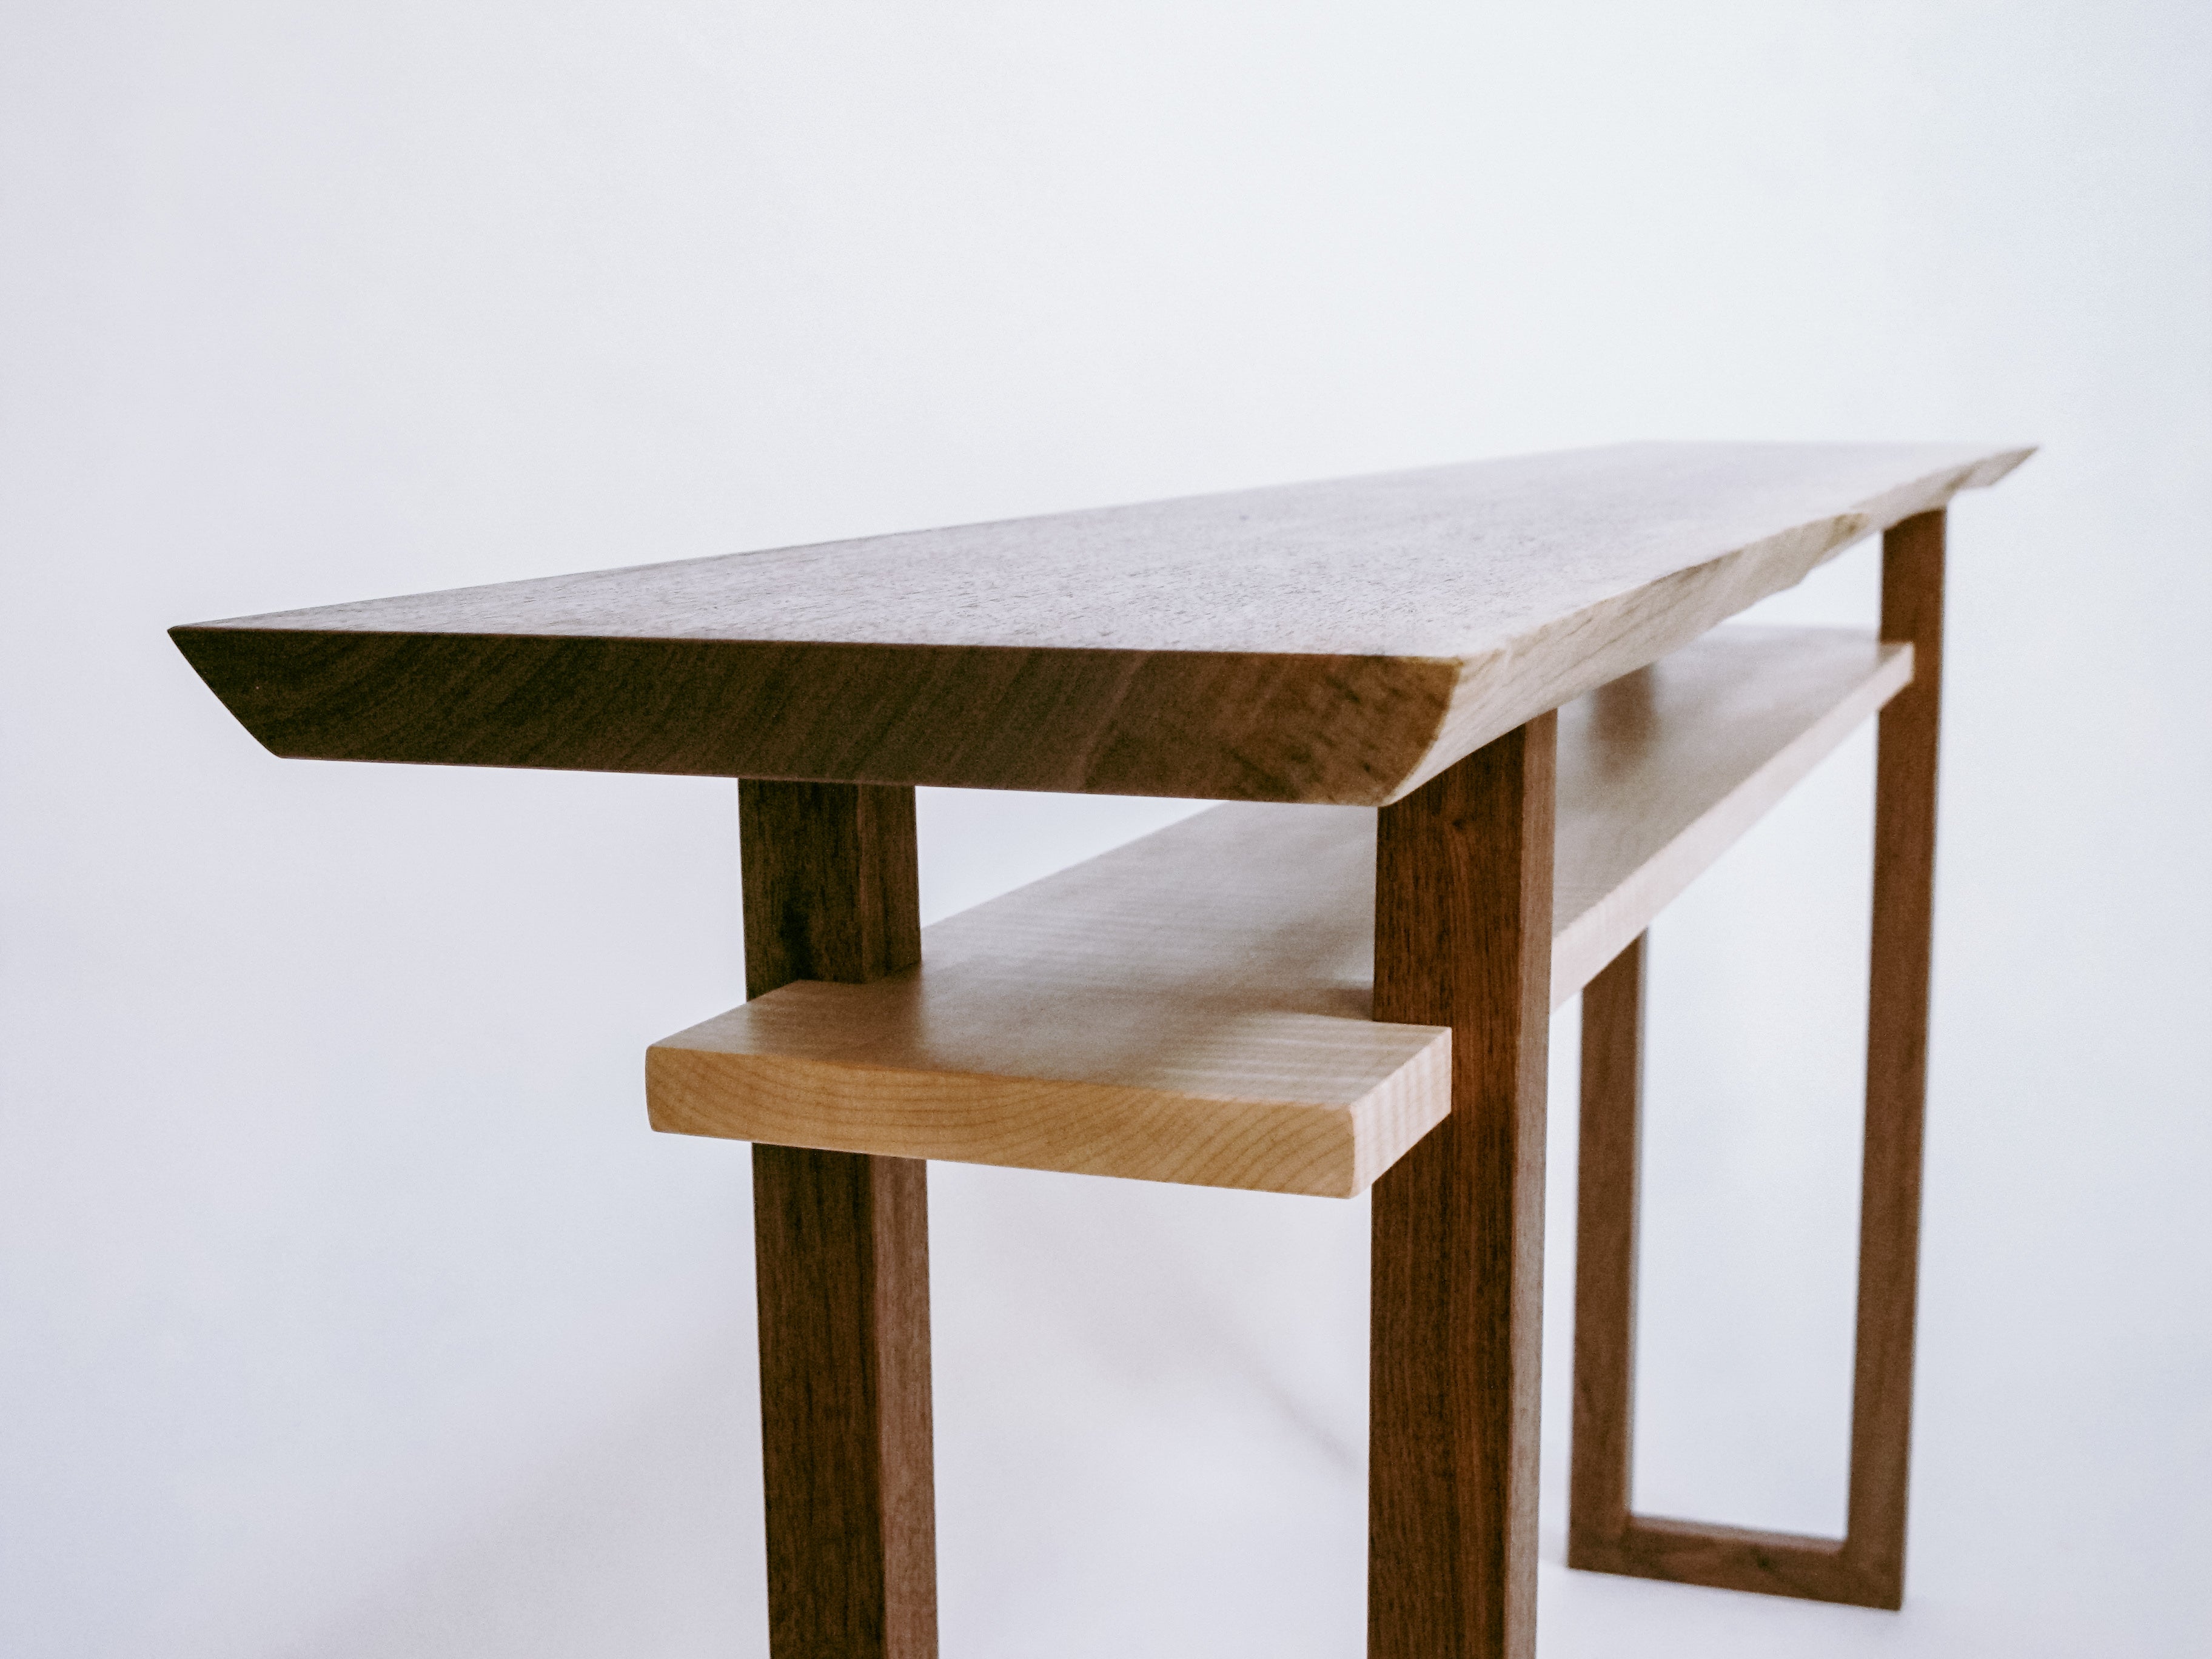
1194,1007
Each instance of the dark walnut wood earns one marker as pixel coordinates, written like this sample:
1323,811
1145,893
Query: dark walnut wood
1462,937
1605,1253
1896,1059
831,875
1866,1567
841,1242
1603,1533
1337,641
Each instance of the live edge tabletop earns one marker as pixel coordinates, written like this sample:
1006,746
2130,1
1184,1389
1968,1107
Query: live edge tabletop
1341,642
1515,661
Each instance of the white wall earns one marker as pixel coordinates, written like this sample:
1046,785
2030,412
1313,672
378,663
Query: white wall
347,1309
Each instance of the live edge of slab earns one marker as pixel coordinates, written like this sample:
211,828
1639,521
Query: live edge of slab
1341,642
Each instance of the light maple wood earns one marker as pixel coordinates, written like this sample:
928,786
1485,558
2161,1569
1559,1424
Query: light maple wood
1664,770
1339,642
1191,1007
1866,1567
1463,937
1195,1006
841,1255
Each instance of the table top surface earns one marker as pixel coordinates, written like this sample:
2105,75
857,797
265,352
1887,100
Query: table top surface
1338,640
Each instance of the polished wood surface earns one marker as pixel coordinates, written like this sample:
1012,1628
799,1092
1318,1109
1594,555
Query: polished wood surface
1339,642
1463,938
1191,1007
841,1247
1194,1007
1608,1162
1896,1059
1663,770
842,1243
1604,1534
831,875
1865,1567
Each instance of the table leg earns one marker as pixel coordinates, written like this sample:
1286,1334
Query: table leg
1463,938
842,1247
1897,1059
1866,1567
1605,1256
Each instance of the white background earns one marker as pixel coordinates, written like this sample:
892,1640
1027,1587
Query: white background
348,1311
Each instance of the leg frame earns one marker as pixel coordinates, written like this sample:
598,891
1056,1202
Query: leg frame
1866,1567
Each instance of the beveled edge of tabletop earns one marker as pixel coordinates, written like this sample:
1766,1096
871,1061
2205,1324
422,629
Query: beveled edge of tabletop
1360,730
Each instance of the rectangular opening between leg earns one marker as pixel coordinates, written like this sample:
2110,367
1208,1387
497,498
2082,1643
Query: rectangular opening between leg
1866,1567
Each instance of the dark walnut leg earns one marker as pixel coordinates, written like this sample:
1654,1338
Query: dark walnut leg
843,1246
1463,939
1866,1567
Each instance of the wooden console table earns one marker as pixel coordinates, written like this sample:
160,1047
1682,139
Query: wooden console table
1477,726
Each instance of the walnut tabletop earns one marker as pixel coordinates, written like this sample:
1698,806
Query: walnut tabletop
1342,641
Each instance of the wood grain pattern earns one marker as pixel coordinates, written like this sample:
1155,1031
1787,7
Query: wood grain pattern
1604,1534
1463,937
1866,1567
1194,1007
1665,769
1340,642
1896,1059
1727,1558
1609,1159
841,1245
832,883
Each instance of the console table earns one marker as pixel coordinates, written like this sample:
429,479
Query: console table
1475,725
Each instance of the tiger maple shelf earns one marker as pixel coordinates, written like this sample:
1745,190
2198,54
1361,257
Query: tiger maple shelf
1195,1006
